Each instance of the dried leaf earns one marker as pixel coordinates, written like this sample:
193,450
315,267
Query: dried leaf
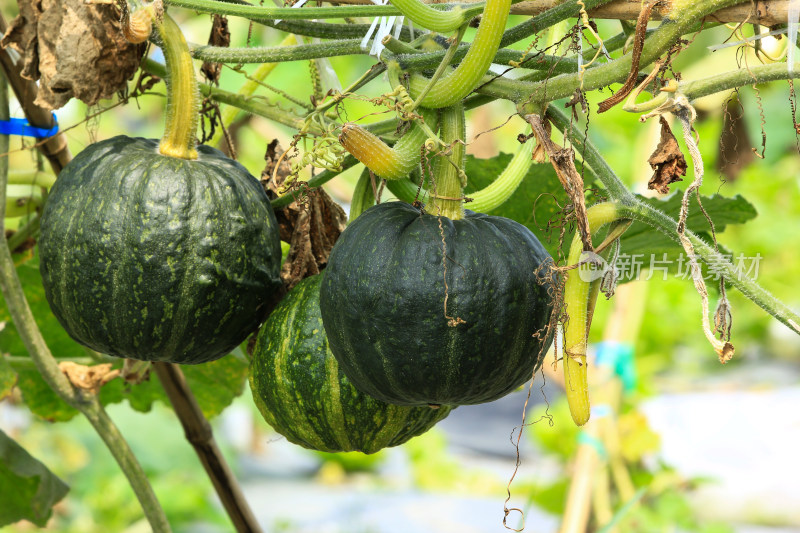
667,161
220,36
89,378
76,49
310,224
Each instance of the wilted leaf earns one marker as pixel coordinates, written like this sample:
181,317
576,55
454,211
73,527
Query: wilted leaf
310,225
75,48
667,161
28,490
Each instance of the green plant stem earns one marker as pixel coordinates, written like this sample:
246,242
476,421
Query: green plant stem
406,190
229,113
21,235
517,33
256,105
279,54
388,163
459,83
502,188
434,19
686,19
554,15
629,207
88,404
446,196
443,66
259,13
183,104
397,46
327,30
37,178
363,195
737,78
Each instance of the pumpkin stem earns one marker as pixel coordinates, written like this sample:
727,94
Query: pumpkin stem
446,192
387,163
463,80
183,103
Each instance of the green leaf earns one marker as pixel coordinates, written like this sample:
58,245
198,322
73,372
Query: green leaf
536,203
8,378
28,490
214,384
641,238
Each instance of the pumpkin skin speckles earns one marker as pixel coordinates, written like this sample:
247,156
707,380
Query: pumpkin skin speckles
383,306
157,258
301,392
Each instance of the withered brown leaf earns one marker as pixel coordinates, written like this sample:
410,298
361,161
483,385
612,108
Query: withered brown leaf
76,49
667,161
311,224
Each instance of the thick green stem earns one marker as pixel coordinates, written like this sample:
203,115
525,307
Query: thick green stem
259,13
503,187
440,70
603,75
463,80
629,207
279,54
326,30
446,195
88,404
576,328
517,33
746,285
183,103
36,178
363,195
434,19
388,163
737,78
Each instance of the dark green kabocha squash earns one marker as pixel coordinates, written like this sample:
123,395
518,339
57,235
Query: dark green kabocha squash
158,258
403,336
299,388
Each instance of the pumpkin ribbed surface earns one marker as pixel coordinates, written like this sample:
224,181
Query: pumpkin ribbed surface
301,392
397,330
157,258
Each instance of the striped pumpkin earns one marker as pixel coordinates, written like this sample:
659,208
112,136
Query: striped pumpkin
301,392
158,258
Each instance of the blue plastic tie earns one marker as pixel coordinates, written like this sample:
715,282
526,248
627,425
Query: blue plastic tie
21,127
619,357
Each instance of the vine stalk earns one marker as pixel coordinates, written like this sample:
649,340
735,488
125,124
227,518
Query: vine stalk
85,402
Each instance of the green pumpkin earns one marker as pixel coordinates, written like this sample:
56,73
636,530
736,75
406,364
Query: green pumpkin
302,394
158,258
383,305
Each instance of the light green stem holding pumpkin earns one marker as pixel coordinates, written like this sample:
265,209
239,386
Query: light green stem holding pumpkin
183,102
